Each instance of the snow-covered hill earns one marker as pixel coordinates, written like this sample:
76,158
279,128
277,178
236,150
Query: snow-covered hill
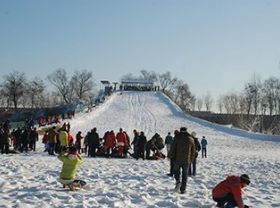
30,179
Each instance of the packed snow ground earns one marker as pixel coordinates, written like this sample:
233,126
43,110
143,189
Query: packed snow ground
30,179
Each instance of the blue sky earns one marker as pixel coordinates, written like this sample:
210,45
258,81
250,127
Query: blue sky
214,46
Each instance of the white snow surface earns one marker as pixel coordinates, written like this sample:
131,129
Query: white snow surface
30,179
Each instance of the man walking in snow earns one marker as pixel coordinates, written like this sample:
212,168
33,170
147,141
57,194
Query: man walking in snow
183,152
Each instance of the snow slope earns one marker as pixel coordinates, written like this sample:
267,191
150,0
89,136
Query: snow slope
30,179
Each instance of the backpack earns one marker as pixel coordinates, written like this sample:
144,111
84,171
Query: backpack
159,143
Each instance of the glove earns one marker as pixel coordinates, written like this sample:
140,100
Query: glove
246,206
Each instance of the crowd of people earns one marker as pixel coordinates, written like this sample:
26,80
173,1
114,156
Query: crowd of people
111,144
21,139
182,150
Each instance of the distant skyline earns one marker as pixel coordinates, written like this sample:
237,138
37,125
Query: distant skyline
213,46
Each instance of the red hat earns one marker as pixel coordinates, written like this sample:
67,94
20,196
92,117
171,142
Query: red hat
73,150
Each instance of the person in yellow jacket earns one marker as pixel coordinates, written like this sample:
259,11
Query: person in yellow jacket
63,138
71,160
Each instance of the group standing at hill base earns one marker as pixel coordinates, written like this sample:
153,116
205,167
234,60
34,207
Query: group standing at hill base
182,151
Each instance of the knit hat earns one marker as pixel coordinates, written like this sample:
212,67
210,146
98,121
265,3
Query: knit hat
73,150
245,179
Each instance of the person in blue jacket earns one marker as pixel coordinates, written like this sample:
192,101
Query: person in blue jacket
204,144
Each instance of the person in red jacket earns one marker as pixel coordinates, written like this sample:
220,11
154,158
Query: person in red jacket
230,191
109,142
121,142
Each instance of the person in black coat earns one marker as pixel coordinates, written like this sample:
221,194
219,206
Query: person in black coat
33,138
25,140
141,144
151,145
94,142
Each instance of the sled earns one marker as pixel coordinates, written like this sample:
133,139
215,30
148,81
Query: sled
73,184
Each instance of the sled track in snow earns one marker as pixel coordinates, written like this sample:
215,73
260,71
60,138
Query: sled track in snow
143,121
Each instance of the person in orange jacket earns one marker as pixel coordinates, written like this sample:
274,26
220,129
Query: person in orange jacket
109,142
121,142
230,191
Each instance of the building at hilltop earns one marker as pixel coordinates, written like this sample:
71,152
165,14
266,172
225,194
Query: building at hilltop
137,85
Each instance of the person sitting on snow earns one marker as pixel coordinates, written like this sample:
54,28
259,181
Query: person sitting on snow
228,193
71,160
151,145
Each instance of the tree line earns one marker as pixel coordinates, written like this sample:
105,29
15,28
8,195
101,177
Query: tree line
257,97
17,91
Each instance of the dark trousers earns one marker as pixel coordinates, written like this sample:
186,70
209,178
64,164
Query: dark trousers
93,151
204,152
89,151
51,149
192,167
177,173
140,153
148,151
24,146
227,199
171,166
32,145
4,148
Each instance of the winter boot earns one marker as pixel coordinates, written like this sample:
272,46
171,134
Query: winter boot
182,191
177,185
71,187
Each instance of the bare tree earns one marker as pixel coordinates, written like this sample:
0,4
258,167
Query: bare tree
199,103
253,94
271,92
242,104
182,96
148,75
192,103
128,76
45,100
220,104
60,80
233,102
34,91
83,84
208,100
166,81
226,104
13,87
